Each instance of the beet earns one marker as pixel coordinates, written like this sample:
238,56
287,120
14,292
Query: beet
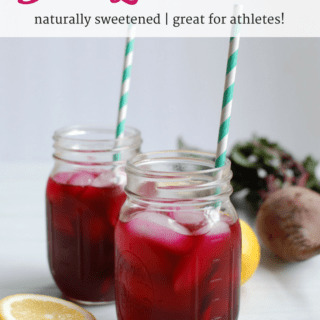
288,223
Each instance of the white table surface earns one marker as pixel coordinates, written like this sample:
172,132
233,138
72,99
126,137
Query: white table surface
276,291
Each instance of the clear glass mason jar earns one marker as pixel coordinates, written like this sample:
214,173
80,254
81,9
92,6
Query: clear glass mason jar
178,240
84,194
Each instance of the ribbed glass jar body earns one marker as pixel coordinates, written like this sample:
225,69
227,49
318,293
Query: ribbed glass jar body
84,194
178,240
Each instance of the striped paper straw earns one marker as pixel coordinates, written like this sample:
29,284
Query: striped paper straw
228,92
126,77
125,86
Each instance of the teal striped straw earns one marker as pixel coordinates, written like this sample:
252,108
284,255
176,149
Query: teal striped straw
228,92
125,86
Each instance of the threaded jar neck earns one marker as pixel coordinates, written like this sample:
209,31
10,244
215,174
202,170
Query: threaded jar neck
95,145
177,175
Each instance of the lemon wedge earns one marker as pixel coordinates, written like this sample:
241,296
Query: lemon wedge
40,307
251,252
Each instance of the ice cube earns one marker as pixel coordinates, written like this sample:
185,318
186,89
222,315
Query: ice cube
104,179
135,251
219,228
161,231
155,240
155,219
216,229
82,178
62,177
192,220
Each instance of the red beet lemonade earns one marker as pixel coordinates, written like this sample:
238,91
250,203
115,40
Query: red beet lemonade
178,240
177,266
82,210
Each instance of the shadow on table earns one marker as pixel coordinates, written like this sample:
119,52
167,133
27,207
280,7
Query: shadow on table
49,290
271,261
30,281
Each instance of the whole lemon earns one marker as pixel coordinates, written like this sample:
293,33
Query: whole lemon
250,256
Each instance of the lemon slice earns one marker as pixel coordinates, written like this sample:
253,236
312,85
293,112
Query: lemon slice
40,307
250,256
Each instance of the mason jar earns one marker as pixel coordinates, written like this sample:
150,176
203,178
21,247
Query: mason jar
178,240
84,194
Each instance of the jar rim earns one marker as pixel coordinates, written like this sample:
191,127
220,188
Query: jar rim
96,138
134,166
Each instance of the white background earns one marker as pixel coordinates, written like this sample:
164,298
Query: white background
176,90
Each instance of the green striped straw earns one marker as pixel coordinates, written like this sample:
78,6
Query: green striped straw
125,86
228,92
